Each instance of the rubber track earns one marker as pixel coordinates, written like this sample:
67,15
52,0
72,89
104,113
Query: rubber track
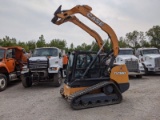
72,97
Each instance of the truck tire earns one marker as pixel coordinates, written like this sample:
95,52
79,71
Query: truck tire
57,79
139,76
146,70
3,82
26,82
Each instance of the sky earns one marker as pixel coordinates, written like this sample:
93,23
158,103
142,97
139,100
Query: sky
26,20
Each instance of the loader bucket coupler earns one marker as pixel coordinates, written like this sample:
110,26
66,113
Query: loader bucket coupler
55,18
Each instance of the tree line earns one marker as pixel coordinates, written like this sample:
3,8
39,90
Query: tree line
134,39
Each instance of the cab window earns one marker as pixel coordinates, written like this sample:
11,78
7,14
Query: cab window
9,53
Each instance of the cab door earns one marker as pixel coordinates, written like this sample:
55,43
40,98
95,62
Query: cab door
10,61
141,58
60,62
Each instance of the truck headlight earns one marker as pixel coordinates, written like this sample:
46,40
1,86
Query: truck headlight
56,62
141,67
25,69
149,65
54,68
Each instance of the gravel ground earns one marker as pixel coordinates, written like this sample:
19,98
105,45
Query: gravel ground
43,102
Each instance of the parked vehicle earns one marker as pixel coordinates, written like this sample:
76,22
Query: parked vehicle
12,60
45,65
150,58
126,56
89,81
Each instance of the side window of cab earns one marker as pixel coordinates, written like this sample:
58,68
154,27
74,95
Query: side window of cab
60,55
141,53
9,53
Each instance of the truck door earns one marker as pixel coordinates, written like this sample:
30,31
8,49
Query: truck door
141,56
60,59
10,61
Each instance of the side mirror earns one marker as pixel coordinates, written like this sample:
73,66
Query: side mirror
60,55
69,53
141,53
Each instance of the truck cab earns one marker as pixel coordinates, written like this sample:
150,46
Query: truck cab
126,56
45,65
150,58
12,60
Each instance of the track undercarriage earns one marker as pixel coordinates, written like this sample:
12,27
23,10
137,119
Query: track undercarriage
108,94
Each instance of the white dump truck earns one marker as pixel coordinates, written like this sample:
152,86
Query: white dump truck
150,58
45,65
126,56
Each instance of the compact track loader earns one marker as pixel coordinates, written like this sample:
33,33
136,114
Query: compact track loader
90,82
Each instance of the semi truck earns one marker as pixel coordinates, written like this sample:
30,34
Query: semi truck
126,56
150,58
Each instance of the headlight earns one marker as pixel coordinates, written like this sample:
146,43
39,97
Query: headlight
141,67
53,68
56,62
25,69
149,65
121,59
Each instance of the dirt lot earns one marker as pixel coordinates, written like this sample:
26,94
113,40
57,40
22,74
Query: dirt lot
43,102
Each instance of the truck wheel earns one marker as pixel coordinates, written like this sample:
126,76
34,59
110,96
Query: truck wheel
57,79
139,76
3,82
146,70
26,82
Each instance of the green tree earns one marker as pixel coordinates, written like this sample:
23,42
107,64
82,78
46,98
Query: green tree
134,38
41,41
94,46
31,45
154,36
108,45
61,44
24,45
7,41
142,39
122,42
83,46
145,44
71,48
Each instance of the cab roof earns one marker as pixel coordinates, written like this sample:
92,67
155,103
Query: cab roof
47,47
146,48
125,49
13,47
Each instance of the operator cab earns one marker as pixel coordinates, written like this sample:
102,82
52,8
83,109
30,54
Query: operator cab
78,62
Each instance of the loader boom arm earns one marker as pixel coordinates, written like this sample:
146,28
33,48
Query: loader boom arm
85,10
77,22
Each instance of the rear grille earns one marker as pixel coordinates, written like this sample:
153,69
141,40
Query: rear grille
38,64
132,66
157,62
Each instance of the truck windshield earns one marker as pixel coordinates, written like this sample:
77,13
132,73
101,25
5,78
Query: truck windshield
126,52
1,53
151,51
45,52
